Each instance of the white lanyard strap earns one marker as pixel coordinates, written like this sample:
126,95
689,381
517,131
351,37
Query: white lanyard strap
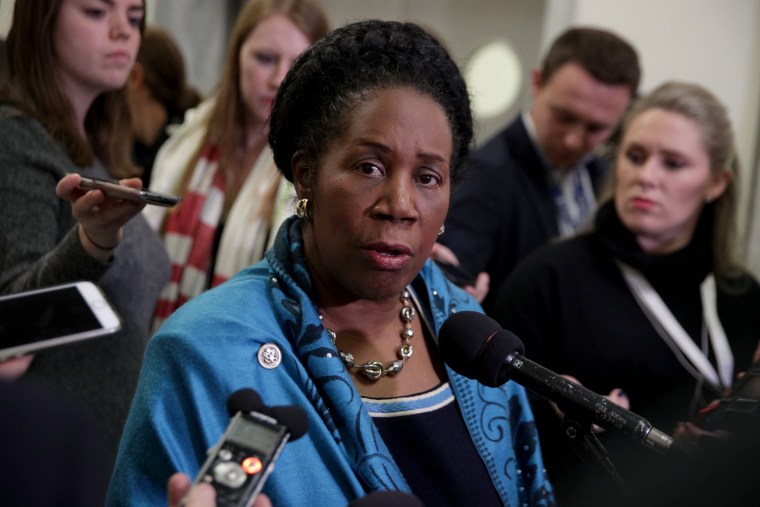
723,354
654,306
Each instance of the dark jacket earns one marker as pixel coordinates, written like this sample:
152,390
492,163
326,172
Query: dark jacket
571,307
504,210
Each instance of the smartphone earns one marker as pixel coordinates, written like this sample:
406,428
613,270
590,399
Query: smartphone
239,464
457,274
740,406
114,189
40,319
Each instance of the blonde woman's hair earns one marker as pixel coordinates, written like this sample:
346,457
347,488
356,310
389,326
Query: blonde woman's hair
703,108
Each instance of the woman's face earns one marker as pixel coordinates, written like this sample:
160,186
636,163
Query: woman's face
95,44
265,58
663,180
380,196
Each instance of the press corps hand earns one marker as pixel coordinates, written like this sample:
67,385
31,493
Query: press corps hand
200,495
100,218
482,284
13,368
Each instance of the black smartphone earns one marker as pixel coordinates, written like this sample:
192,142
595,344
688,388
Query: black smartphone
114,189
457,274
740,406
40,319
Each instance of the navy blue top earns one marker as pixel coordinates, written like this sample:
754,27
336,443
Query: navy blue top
414,427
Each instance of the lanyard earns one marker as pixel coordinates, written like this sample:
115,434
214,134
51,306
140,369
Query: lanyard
669,328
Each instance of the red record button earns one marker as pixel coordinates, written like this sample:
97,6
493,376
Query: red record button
252,465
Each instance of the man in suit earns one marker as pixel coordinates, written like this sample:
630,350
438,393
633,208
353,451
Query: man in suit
539,177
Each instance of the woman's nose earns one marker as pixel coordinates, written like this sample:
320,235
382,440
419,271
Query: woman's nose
648,171
397,200
279,74
120,26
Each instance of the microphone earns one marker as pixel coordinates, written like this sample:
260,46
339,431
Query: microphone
249,402
476,346
240,462
385,498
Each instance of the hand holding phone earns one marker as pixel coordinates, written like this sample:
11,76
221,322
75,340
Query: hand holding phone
115,190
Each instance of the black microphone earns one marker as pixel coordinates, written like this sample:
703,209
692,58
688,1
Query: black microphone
244,400
476,346
249,402
385,498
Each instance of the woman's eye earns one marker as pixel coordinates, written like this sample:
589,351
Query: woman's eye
265,58
429,180
369,168
135,21
675,163
95,13
635,156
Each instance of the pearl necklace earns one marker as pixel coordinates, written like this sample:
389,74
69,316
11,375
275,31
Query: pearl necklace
373,370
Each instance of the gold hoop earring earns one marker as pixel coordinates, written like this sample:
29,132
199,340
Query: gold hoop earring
442,230
302,208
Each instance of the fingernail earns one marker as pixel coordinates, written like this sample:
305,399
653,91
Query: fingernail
622,393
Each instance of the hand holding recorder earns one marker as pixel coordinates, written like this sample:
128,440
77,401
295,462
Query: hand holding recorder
239,464
184,494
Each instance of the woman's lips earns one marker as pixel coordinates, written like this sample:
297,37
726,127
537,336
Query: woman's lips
642,203
121,58
388,257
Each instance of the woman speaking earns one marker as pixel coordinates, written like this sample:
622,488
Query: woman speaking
372,125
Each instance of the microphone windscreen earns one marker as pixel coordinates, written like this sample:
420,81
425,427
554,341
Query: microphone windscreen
244,400
291,416
385,498
475,345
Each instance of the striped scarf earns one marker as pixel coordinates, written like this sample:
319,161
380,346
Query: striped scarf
263,202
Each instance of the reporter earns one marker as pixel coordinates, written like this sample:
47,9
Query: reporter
159,95
654,300
63,112
219,159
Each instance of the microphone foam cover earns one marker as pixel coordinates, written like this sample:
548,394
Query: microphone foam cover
291,416
385,498
491,370
475,345
244,400
462,337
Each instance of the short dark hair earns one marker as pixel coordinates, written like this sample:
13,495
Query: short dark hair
328,81
607,57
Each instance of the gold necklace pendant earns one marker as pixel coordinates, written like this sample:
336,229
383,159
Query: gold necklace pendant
374,370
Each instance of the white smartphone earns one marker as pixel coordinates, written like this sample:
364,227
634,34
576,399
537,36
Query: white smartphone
59,315
114,189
